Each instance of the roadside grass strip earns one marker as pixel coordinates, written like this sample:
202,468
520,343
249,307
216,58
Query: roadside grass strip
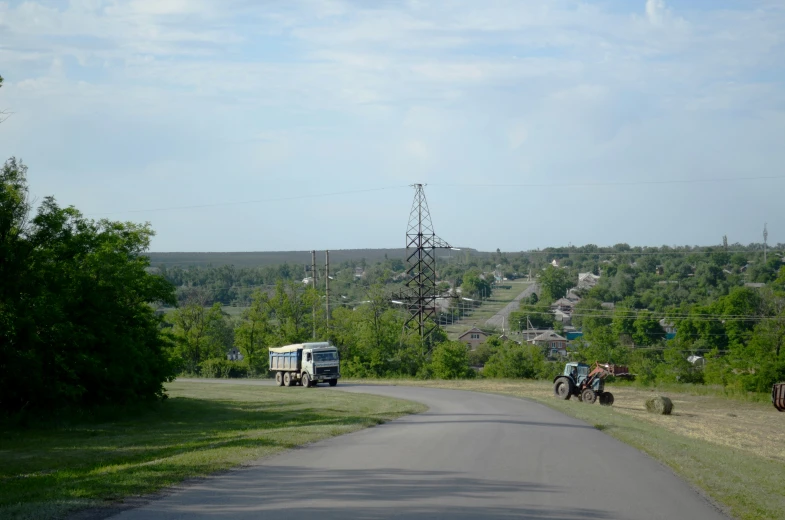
60,465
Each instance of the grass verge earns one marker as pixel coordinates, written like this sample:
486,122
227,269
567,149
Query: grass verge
47,470
731,449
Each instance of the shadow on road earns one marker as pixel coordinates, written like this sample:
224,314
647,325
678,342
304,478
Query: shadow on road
294,492
486,419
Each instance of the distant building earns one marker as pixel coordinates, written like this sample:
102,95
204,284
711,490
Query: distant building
473,337
234,355
565,317
755,285
587,280
553,344
564,304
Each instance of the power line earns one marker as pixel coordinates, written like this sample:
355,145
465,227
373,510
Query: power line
276,199
608,183
637,253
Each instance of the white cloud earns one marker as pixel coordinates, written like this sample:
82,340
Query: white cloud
656,11
366,91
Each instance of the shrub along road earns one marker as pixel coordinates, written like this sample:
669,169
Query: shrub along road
470,455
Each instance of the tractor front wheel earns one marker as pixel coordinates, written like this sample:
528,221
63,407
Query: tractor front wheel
563,388
589,396
606,399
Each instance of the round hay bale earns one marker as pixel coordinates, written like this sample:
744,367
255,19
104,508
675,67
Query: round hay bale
659,404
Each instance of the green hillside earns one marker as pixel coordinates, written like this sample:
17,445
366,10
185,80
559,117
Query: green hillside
261,258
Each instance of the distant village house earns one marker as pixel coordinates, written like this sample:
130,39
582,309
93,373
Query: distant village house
473,337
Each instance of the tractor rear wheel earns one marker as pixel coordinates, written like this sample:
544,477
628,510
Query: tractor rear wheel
563,388
589,396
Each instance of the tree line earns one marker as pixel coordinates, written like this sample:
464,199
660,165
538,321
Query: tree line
79,324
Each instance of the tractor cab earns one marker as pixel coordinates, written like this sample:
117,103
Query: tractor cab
578,372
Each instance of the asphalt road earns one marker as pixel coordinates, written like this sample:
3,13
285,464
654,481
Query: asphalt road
471,456
502,317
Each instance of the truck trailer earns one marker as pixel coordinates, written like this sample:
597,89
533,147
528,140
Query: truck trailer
306,364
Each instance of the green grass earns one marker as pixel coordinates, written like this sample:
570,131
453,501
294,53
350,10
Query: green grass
750,486
49,469
732,449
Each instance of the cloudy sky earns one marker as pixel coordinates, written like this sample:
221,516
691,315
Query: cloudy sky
243,125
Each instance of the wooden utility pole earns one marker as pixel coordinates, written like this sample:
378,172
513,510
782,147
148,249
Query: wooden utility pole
313,284
327,286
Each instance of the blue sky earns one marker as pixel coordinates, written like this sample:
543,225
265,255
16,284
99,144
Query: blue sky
125,108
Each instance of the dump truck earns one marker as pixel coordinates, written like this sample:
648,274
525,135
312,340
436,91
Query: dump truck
587,385
306,364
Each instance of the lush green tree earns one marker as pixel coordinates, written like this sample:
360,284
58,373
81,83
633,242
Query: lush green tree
676,369
554,283
253,333
623,325
201,333
76,322
480,355
511,360
450,360
475,286
647,329
292,307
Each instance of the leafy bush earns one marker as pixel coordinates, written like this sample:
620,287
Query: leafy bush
517,361
223,368
450,360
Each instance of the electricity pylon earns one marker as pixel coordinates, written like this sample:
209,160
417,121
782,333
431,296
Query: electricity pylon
419,294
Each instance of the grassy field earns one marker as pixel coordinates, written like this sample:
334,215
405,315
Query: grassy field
733,449
477,318
49,469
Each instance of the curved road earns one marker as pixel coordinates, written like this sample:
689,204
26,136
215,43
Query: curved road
470,456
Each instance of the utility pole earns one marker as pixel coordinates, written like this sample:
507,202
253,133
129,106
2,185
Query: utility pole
765,238
327,285
313,284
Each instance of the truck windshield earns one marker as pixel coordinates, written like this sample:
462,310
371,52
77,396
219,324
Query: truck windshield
325,356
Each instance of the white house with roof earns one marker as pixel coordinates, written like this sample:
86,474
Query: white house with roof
554,344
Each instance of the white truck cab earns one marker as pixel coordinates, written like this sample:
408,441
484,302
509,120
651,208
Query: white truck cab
305,363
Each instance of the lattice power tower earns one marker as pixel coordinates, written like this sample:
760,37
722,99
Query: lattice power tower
421,244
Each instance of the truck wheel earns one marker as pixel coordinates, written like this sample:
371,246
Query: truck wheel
333,382
589,396
562,388
306,381
279,378
287,379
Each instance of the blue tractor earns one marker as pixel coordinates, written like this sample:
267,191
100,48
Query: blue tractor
584,382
